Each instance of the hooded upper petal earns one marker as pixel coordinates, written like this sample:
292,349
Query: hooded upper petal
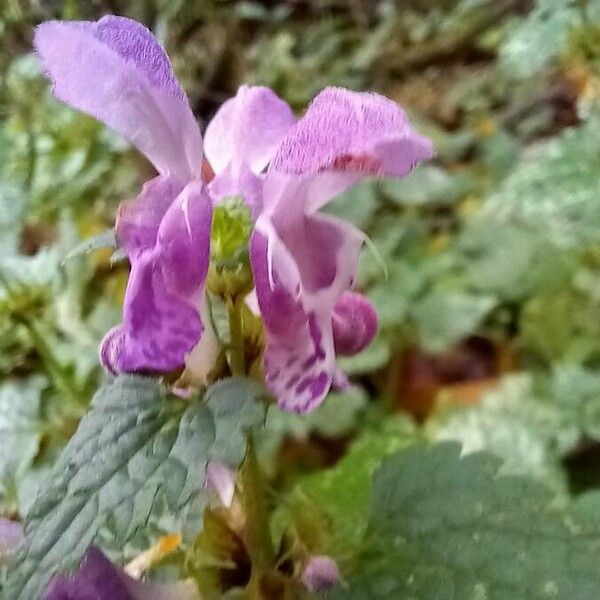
99,579
353,132
115,70
247,128
161,312
241,140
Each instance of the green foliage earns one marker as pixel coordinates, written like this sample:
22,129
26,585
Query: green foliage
539,39
134,448
552,189
339,497
20,434
530,422
442,526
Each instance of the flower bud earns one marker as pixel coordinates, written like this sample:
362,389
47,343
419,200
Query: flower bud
354,323
221,479
11,534
320,574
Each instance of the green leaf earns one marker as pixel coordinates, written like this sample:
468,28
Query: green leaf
428,185
444,317
235,409
541,37
444,526
553,190
136,449
338,415
343,492
530,422
374,356
516,424
13,207
19,432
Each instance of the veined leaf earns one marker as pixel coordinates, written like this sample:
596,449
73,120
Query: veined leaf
446,527
136,448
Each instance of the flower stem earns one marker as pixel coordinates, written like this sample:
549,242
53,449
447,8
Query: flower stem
236,328
258,535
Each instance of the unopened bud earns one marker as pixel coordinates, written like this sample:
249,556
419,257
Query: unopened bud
354,323
320,573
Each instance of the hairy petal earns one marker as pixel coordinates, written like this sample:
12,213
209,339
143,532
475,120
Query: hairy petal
354,132
354,323
99,579
297,285
247,129
115,70
161,319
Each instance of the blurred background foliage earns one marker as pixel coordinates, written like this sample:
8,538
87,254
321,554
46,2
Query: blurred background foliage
489,300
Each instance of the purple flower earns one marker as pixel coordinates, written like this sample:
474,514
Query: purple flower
115,70
320,573
98,579
305,262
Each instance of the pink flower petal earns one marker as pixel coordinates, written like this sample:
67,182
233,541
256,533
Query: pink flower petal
356,132
115,70
247,128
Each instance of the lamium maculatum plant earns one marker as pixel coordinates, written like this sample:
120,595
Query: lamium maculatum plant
232,222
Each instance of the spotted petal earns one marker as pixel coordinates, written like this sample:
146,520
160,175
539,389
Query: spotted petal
352,132
161,320
302,264
115,70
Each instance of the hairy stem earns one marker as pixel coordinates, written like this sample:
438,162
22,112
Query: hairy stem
236,328
258,535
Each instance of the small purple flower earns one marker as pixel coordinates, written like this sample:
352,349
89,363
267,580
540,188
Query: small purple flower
320,574
99,579
304,262
115,70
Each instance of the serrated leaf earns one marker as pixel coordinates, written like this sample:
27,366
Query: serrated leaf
234,405
444,526
136,449
527,432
